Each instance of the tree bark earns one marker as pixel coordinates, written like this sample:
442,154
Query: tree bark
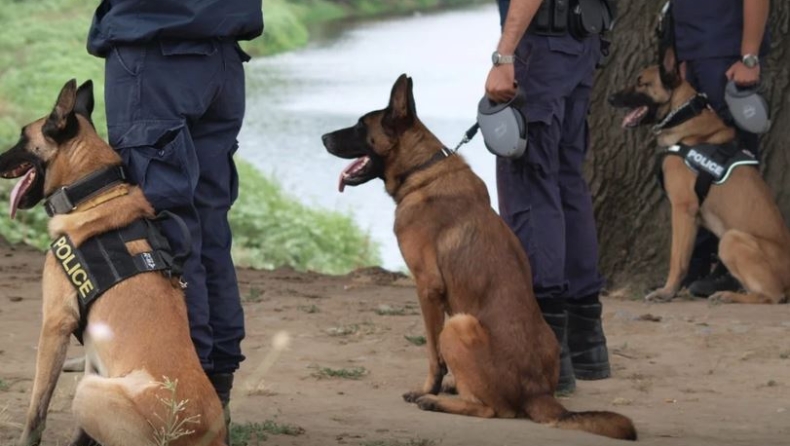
631,210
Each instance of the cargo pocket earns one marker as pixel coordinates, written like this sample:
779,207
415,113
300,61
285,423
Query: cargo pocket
542,143
160,158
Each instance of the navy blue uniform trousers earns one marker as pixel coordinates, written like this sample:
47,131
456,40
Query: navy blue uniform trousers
174,110
543,196
708,76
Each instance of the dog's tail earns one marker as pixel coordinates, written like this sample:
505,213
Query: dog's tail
546,409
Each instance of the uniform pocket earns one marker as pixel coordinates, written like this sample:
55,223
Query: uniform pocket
160,158
542,143
130,57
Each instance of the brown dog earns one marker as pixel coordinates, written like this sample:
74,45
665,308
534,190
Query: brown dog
754,240
137,334
469,265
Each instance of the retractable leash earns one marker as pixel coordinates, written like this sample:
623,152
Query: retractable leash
503,127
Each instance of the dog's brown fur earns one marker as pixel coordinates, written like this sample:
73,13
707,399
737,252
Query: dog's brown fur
469,265
754,240
137,333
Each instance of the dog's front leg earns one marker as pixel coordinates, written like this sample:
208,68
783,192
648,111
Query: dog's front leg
431,304
52,347
684,231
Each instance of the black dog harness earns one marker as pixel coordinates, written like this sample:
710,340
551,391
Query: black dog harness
713,163
103,261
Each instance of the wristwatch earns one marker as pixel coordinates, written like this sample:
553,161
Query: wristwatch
499,59
750,60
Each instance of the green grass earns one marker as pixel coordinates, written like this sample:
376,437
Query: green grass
4,385
353,373
253,434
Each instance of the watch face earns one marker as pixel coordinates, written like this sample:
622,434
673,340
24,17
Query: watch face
495,58
750,61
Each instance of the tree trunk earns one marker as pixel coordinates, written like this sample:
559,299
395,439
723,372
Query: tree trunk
631,210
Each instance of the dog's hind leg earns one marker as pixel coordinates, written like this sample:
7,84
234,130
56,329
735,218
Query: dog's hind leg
747,258
105,410
465,347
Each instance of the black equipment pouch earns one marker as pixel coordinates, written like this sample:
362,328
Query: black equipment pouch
590,17
551,18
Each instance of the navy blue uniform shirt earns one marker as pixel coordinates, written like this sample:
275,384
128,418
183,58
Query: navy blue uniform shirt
139,21
710,28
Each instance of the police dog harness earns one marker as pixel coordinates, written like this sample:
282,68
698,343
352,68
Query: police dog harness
713,163
103,261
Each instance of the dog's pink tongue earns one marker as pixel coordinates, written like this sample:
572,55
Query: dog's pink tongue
19,191
354,165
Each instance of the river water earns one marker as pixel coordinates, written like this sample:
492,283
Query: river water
294,98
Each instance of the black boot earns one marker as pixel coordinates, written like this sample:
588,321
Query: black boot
223,383
554,315
586,340
719,280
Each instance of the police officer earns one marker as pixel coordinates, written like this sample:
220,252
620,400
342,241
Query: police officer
542,196
174,94
718,41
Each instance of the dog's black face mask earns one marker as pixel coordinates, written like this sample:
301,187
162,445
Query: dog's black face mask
19,162
40,142
642,109
352,143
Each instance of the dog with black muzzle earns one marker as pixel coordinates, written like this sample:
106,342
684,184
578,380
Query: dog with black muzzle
710,181
136,334
469,265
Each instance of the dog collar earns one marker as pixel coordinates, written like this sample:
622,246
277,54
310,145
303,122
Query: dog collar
438,156
690,109
67,198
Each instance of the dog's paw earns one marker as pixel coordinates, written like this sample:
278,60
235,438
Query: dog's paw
721,297
428,402
660,295
413,396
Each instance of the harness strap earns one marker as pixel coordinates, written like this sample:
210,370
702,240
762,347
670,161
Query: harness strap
103,261
66,199
720,159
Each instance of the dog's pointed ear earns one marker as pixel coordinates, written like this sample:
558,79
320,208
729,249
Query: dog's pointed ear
668,68
401,112
59,125
84,102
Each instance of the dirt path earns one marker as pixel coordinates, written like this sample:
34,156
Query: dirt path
717,375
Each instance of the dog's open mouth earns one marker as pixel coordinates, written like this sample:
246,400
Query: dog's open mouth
29,175
635,117
359,171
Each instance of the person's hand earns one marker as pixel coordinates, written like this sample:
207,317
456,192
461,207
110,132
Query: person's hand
501,83
743,75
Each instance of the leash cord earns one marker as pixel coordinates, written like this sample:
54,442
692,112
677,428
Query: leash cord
468,135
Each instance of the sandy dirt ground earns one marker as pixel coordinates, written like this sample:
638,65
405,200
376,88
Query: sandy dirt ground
687,373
